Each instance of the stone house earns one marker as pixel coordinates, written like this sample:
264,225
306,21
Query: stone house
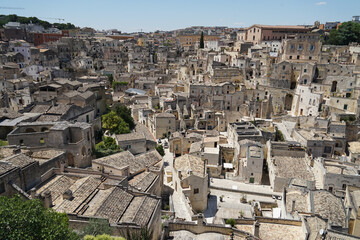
318,144
77,139
250,162
94,194
22,169
287,162
190,179
162,124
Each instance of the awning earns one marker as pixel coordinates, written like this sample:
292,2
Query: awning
228,165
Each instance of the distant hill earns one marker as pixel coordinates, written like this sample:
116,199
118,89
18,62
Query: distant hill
14,18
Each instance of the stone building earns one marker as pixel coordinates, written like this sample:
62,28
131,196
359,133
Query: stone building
86,195
162,124
288,162
20,170
303,47
250,163
190,179
77,139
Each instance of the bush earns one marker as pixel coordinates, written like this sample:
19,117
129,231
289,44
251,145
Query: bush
106,147
279,136
231,222
160,149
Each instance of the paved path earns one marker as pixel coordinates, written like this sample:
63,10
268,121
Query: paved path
179,207
286,128
226,184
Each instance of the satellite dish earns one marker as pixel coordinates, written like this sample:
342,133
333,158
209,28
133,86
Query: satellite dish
321,232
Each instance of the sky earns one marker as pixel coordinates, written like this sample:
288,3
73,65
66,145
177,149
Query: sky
152,15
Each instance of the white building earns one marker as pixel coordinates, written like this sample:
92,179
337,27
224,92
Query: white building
305,102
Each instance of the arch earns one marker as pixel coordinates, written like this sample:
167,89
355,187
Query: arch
70,159
44,129
30,130
83,151
333,86
288,102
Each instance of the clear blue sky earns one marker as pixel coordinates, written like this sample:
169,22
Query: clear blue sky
151,15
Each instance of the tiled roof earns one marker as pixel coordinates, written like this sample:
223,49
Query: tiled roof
187,163
143,181
115,205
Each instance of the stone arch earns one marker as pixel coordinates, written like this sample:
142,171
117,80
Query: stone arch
288,101
83,151
44,129
30,130
70,159
333,86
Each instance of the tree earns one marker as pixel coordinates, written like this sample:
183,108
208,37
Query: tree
114,123
201,40
106,147
110,78
102,237
279,137
125,113
96,227
143,234
29,219
160,149
348,32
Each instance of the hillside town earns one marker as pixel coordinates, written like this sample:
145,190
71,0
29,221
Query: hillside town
196,133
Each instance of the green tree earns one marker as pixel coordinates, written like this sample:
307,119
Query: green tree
125,113
96,227
114,123
348,32
102,237
29,219
160,149
106,147
202,40
279,136
110,78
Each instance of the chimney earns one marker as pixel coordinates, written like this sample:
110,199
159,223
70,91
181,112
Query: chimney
62,166
16,150
256,229
200,219
47,199
293,206
68,195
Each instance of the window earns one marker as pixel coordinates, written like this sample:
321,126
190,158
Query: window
128,147
252,174
196,191
345,106
327,149
305,70
344,186
2,187
21,142
330,189
297,57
